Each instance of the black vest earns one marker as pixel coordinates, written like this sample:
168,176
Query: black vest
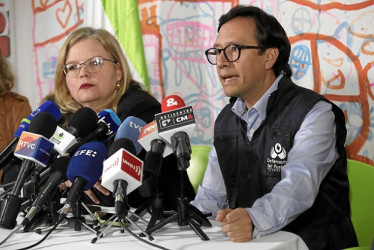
251,169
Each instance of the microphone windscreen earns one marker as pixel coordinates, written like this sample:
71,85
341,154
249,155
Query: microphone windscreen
172,102
131,128
47,106
87,163
60,165
84,120
44,123
111,119
124,143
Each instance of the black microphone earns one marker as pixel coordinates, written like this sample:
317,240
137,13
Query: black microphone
58,175
107,126
176,125
81,124
152,167
32,147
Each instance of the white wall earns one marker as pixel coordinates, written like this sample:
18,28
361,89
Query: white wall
23,51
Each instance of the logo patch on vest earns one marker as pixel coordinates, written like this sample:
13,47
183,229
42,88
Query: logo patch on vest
277,158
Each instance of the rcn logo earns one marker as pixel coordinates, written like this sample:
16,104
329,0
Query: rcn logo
278,151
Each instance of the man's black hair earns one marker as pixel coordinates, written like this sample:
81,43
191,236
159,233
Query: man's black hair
269,33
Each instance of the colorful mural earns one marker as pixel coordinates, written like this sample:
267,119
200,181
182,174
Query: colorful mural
332,53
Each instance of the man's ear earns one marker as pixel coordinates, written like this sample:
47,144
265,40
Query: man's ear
271,55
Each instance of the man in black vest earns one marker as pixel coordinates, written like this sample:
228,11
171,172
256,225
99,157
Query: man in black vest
278,161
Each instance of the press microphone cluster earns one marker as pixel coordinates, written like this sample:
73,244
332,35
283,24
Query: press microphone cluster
33,147
84,126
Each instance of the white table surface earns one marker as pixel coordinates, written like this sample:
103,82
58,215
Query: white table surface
171,236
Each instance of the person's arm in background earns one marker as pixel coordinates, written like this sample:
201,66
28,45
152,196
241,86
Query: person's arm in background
23,110
19,110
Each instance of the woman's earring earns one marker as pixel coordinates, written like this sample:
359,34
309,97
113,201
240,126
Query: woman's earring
118,85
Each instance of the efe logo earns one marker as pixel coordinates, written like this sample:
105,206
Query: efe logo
86,152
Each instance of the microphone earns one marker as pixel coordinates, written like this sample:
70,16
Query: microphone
152,166
149,135
84,170
58,174
81,124
47,106
157,148
176,124
122,173
32,147
107,126
131,128
112,121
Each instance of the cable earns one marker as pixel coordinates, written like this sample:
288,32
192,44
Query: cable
40,241
139,238
6,192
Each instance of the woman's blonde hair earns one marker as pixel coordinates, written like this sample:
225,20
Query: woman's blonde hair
6,76
62,95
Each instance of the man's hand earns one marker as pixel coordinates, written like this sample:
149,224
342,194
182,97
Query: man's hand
237,224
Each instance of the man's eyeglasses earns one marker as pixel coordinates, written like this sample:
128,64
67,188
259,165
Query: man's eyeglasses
231,52
92,65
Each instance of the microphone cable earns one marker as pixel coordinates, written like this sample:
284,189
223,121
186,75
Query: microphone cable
45,236
139,238
35,244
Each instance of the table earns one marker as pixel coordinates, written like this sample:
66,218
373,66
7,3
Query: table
171,236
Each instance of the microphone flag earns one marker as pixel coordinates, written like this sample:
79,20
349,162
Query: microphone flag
121,165
34,147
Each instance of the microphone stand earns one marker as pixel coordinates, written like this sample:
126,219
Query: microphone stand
77,220
121,211
154,205
186,213
48,214
49,211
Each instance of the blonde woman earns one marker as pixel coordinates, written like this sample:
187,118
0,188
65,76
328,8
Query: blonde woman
92,71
